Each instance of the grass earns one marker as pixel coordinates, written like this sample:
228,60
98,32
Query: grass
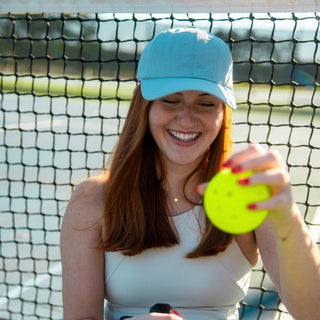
281,98
259,95
71,88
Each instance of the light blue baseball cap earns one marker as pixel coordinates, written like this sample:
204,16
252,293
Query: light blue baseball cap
186,59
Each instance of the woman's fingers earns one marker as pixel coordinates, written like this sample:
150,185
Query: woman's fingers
268,166
281,200
269,169
275,178
254,158
238,157
200,188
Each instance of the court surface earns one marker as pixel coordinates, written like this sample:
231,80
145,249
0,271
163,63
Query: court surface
30,241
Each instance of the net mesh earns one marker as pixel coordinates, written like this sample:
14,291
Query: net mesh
65,86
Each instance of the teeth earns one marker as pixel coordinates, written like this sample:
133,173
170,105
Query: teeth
183,136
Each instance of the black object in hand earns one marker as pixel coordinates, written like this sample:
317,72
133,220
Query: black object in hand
161,308
158,307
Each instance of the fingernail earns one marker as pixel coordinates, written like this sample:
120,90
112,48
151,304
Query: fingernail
227,163
200,188
252,206
177,313
236,169
244,181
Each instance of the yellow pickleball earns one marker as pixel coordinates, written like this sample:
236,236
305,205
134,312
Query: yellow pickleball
226,201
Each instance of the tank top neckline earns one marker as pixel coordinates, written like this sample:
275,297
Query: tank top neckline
185,213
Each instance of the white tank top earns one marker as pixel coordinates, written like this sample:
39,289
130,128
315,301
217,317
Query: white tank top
205,288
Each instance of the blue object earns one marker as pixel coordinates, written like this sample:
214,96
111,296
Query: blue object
186,59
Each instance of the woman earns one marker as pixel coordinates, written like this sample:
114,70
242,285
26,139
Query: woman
138,235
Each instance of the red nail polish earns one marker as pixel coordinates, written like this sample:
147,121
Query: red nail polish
244,181
252,206
176,313
227,163
236,169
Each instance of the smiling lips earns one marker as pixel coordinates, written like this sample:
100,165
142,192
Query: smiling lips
184,137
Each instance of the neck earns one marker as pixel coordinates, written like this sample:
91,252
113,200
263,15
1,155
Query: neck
179,172
176,176
178,197
179,193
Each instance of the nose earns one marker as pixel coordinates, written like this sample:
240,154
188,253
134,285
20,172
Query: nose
187,116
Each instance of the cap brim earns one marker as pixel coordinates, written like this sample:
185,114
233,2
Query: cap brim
153,89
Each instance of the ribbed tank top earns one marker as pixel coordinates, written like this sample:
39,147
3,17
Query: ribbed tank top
199,289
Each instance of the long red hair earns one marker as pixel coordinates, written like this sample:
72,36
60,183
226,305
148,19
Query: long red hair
136,216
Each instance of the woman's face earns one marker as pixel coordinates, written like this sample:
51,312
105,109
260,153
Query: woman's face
184,125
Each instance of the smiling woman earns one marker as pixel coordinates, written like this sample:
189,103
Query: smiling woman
184,125
138,234
66,81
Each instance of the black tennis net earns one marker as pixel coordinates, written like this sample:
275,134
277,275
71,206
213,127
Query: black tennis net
65,86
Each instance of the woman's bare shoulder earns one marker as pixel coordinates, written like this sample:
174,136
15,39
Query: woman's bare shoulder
86,204
92,188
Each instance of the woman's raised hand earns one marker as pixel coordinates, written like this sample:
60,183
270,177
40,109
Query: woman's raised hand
269,169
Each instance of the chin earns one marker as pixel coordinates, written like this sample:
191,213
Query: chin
186,162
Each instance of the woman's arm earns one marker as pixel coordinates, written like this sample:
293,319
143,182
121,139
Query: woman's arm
290,257
292,261
82,263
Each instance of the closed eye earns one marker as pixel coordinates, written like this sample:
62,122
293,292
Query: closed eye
169,101
207,104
